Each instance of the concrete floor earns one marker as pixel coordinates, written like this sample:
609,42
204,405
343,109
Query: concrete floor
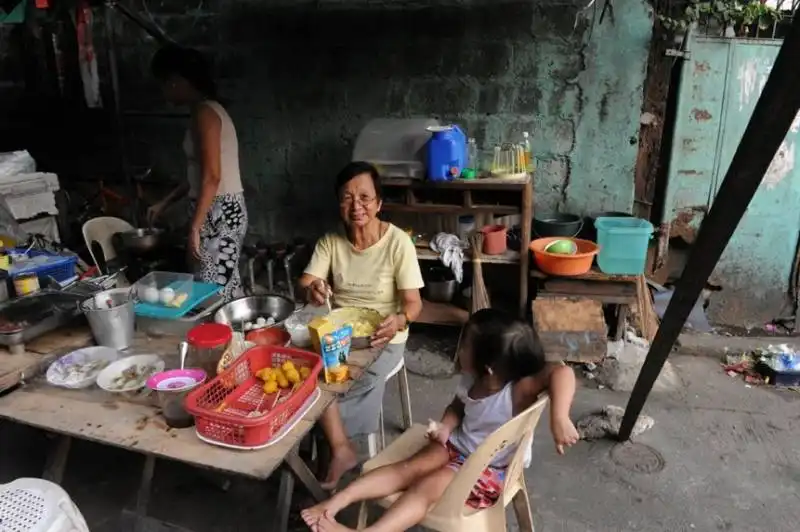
731,461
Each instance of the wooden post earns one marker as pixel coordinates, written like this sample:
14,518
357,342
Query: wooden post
772,116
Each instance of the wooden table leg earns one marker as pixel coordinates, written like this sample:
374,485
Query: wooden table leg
622,320
143,495
284,504
305,476
57,460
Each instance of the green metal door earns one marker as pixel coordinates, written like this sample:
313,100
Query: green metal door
720,84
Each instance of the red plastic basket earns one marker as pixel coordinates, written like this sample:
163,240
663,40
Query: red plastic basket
222,407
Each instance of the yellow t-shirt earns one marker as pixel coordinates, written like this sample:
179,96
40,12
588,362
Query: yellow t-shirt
372,277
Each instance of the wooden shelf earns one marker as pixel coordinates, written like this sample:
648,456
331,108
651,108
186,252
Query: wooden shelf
509,257
489,183
434,208
442,314
592,275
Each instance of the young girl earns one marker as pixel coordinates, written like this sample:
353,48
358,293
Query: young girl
503,373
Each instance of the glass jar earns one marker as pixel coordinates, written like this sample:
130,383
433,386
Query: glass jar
208,342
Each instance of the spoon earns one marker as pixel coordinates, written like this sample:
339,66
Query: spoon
184,350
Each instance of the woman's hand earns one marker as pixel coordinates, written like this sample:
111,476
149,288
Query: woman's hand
387,329
155,211
317,292
564,433
194,243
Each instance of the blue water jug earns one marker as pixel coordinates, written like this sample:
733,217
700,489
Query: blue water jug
447,153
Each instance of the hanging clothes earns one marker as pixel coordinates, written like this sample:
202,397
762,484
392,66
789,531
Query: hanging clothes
87,59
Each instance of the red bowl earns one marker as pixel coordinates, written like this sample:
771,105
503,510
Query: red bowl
269,336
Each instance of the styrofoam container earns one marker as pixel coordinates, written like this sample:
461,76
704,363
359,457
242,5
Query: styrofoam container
297,324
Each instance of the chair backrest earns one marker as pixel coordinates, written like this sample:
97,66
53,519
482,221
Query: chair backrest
518,431
101,230
37,505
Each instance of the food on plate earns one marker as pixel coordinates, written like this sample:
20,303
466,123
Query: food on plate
288,366
293,376
150,294
305,372
135,375
266,375
74,373
270,387
283,377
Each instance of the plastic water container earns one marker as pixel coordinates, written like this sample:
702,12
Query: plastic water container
447,153
623,245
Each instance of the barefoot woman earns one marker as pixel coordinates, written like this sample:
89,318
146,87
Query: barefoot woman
372,264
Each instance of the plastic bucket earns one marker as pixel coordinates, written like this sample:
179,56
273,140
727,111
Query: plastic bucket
112,326
623,244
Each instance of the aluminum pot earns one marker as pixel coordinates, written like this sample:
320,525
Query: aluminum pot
441,291
249,309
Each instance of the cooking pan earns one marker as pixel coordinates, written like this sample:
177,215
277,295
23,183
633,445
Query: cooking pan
141,240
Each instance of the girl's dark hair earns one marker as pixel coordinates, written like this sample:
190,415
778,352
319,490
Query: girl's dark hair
506,344
187,63
356,168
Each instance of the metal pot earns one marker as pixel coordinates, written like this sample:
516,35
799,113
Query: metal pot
441,291
141,240
547,225
249,309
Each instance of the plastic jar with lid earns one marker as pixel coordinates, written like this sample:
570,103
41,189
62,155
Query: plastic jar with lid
208,342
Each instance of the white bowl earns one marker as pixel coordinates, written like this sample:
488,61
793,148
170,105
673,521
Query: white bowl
108,378
297,324
80,368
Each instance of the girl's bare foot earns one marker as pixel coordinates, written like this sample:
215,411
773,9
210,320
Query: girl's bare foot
343,459
312,515
328,524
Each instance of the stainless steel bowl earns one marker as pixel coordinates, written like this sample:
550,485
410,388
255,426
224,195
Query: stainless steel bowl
251,308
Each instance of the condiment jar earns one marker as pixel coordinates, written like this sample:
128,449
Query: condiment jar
207,343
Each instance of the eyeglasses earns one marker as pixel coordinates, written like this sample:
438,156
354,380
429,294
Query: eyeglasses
362,200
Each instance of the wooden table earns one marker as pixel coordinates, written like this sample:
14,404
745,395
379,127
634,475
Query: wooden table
136,425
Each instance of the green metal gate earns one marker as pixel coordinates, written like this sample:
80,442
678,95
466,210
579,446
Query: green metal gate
720,84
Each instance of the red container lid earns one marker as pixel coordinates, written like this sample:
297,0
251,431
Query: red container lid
209,335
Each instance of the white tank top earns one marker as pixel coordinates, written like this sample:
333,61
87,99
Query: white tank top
230,180
481,418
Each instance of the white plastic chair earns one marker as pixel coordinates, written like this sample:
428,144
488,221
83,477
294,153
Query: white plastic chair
36,505
101,230
405,401
451,514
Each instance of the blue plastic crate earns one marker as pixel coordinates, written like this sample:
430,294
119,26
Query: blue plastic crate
623,244
44,264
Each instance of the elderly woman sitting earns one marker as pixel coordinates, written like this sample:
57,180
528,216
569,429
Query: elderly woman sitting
369,263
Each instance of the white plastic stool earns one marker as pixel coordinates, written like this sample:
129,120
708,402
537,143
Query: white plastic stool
405,401
36,505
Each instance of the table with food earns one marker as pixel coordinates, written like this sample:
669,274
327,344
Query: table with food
168,369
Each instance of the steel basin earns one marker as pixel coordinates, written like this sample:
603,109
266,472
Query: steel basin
250,308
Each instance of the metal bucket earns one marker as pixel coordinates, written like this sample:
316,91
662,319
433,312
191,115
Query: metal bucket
112,327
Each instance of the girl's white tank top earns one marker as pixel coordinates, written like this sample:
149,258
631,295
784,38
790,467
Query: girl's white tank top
481,418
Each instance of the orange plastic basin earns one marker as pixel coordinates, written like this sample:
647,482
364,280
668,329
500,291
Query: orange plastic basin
269,336
564,265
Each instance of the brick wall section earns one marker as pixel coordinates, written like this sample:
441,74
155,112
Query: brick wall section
302,79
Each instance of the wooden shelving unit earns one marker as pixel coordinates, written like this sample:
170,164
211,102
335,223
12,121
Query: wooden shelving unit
483,196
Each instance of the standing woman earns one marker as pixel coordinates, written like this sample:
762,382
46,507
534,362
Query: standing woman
214,186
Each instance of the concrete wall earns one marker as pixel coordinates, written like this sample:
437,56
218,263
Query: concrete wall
302,78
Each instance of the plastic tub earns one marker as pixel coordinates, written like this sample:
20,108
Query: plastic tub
167,289
623,244
561,264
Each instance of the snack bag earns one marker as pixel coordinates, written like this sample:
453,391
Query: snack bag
334,349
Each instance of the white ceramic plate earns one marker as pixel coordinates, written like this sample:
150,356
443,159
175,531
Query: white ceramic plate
80,368
142,367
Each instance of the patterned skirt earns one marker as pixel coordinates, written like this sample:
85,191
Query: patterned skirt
221,241
489,487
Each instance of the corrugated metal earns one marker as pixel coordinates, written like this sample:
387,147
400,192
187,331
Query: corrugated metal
720,85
